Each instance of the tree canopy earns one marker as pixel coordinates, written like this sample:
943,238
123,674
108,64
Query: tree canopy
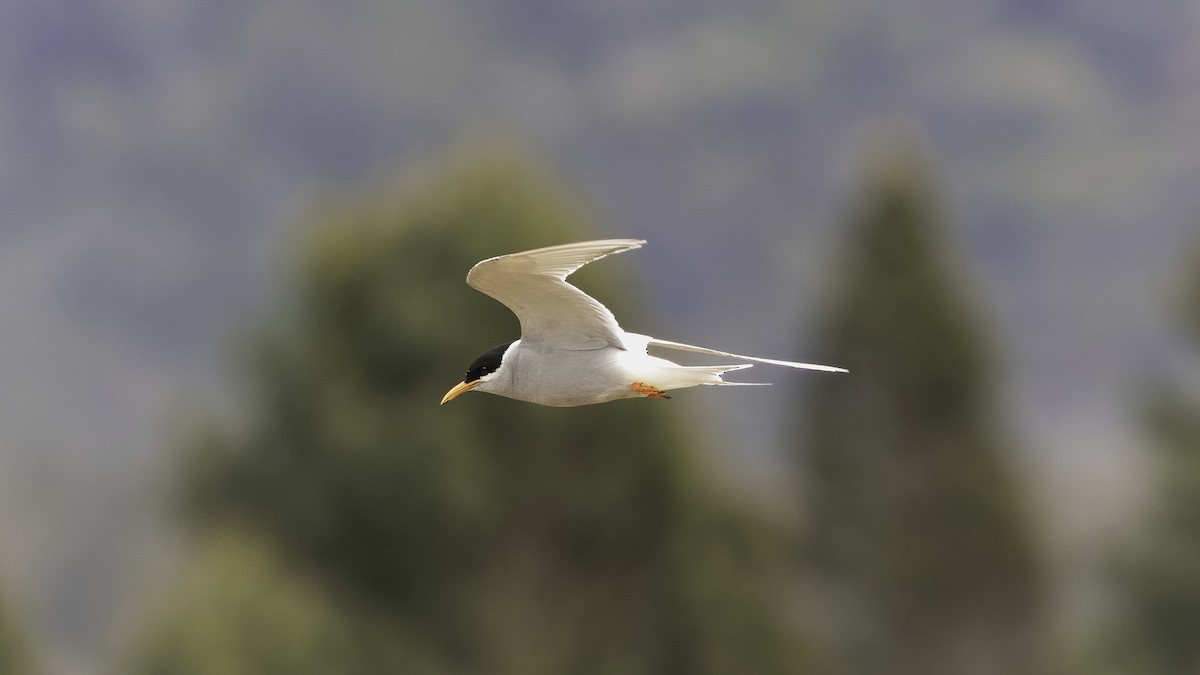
918,539
497,536
17,653
1157,572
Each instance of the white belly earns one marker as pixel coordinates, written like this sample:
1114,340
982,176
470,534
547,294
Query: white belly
570,378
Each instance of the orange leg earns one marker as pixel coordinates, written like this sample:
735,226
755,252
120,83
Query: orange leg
648,391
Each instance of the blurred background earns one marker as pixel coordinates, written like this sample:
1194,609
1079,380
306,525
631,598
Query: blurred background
233,242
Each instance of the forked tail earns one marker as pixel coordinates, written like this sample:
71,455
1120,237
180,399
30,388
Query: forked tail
679,346
715,372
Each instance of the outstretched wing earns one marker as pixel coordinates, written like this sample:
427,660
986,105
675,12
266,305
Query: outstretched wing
553,312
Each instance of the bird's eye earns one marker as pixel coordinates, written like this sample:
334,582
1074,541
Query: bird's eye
486,364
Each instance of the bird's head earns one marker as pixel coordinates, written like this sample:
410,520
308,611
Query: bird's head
481,371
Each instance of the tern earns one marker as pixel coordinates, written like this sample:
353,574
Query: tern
572,352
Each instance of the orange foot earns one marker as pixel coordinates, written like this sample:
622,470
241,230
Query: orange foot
648,391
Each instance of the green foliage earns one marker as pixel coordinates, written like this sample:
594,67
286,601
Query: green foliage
1158,574
240,610
500,536
918,534
16,652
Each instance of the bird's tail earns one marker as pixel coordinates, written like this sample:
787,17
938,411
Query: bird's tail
712,375
679,346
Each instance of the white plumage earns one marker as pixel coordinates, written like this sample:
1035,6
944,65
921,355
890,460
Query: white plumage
572,351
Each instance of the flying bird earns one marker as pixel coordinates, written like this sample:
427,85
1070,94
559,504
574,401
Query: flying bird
572,352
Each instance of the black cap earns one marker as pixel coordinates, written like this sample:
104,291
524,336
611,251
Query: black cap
487,363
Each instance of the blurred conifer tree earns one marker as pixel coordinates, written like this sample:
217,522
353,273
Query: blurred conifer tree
503,537
1157,616
922,555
